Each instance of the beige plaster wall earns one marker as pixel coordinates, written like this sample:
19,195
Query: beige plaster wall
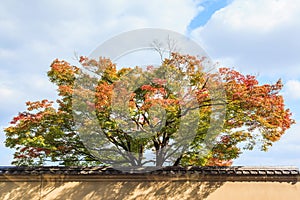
257,191
146,189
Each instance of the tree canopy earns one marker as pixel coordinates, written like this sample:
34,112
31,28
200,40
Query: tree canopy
175,114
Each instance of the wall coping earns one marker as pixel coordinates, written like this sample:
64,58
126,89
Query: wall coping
102,170
194,173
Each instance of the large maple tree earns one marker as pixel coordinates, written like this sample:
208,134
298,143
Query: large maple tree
178,112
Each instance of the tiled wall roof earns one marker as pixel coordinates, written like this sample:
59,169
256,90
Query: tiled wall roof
236,171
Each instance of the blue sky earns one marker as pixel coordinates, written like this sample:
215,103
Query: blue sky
259,37
208,8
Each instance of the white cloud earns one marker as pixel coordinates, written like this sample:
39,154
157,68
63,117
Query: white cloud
259,36
16,89
292,89
284,152
5,93
6,54
49,29
262,16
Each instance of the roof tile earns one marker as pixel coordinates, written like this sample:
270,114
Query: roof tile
235,170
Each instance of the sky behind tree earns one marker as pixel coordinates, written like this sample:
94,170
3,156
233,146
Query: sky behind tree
258,37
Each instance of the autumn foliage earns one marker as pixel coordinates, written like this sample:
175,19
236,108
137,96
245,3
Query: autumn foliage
160,106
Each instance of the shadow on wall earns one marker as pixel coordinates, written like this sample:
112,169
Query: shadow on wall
108,190
129,190
20,190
